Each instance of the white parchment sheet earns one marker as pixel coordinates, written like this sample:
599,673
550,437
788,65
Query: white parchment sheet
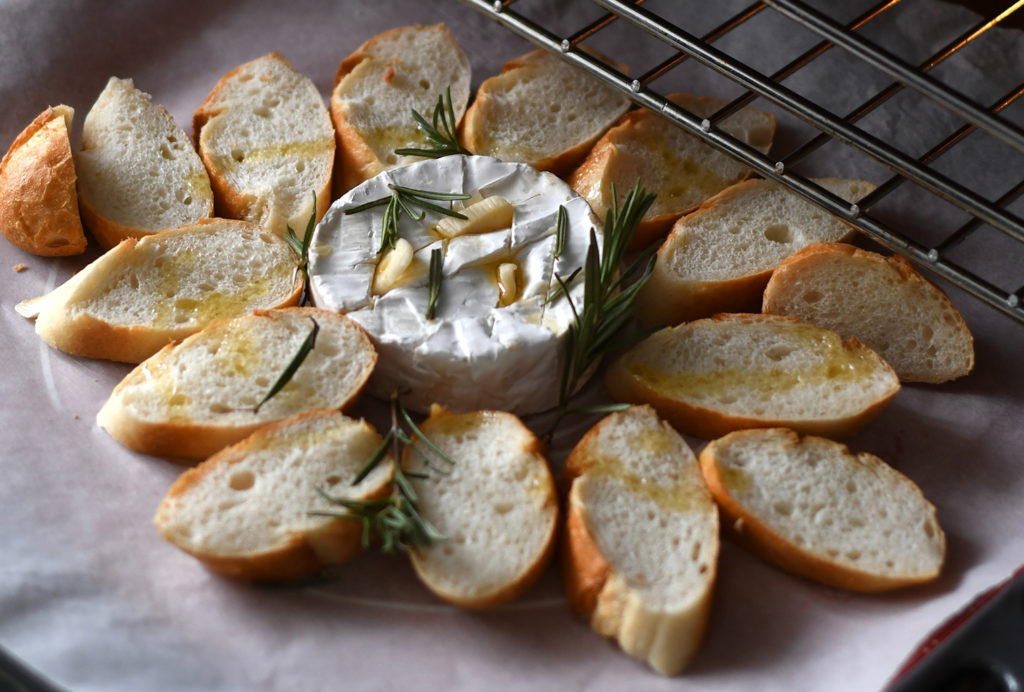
94,599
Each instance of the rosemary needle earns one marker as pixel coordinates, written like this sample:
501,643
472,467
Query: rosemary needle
402,199
434,281
308,344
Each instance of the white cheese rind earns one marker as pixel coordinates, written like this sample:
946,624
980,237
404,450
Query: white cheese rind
474,354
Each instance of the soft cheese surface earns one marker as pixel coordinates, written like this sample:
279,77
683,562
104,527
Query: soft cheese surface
475,353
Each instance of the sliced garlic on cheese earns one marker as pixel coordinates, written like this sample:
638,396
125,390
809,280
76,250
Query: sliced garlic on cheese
489,214
495,341
393,266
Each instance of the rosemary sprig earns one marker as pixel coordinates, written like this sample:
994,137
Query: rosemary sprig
300,246
308,344
396,520
434,281
608,294
440,132
402,200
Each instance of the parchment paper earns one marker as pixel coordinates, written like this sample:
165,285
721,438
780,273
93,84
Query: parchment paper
94,599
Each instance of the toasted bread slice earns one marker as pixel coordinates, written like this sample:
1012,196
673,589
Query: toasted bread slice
377,88
137,172
496,505
736,371
196,397
882,301
668,160
542,111
143,294
720,257
266,139
247,511
38,198
817,510
641,543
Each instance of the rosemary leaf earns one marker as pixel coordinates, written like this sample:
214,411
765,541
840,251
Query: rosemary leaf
429,194
561,230
300,246
374,460
434,281
439,132
308,344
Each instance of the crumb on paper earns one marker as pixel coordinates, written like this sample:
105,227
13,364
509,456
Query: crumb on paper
75,416
19,267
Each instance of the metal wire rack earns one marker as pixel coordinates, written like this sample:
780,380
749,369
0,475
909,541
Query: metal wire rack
982,251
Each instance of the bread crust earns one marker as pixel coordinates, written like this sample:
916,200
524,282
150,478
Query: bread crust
792,266
303,555
748,530
186,441
514,588
38,201
708,423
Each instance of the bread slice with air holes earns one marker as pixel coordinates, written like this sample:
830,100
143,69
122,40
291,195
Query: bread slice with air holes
640,552
246,512
542,111
137,172
379,85
496,505
266,139
668,160
734,371
193,398
882,301
143,294
818,510
38,197
720,257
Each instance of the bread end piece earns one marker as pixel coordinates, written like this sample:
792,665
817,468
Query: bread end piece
640,549
817,510
38,197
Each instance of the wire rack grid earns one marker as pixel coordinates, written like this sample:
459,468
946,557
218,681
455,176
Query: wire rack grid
930,207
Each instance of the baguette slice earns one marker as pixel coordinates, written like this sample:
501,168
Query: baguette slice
377,88
196,397
542,111
143,294
665,158
641,540
496,506
246,511
736,371
137,173
882,301
266,139
720,257
38,199
817,510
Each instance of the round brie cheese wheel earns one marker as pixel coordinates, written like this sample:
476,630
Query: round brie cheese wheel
496,339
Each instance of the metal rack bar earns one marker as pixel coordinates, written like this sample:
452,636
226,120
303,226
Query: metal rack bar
875,55
832,127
